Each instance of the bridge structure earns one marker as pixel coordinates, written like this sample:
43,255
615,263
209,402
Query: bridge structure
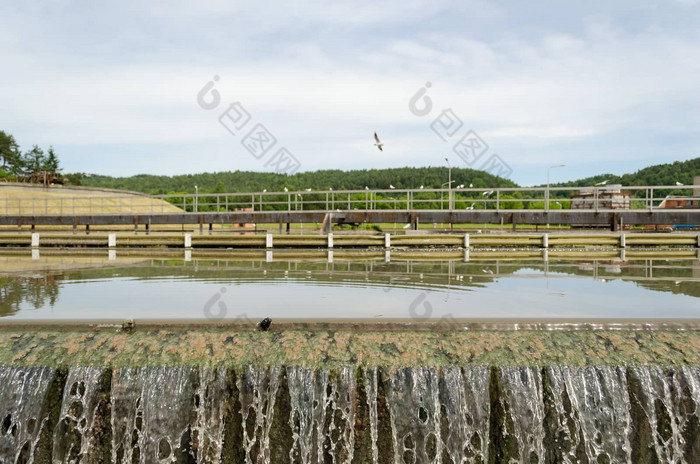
640,205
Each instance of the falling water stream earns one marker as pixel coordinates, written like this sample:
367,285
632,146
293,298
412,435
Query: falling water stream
449,414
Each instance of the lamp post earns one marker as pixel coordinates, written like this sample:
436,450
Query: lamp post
449,184
546,202
196,192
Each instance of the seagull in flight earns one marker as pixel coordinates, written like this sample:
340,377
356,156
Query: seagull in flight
379,143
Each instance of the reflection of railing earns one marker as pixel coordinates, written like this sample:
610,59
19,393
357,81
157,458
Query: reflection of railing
532,199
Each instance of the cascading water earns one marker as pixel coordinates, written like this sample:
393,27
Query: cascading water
152,413
644,414
665,403
413,397
371,387
257,387
520,416
590,415
81,429
23,411
211,397
464,396
322,415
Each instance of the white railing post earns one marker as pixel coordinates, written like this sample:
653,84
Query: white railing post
268,241
330,240
112,240
545,240
35,239
466,240
387,240
188,240
623,240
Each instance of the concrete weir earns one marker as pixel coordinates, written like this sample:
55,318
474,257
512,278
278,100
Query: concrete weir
355,394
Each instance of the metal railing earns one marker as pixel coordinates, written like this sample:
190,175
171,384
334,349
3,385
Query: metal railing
523,198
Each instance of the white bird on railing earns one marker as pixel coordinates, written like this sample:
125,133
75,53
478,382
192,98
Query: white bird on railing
679,183
366,188
391,186
330,188
286,190
460,186
264,190
487,193
601,183
471,185
308,190
471,206
421,186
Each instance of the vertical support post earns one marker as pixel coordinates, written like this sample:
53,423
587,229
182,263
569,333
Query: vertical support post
545,240
87,229
210,228
188,240
148,227
268,241
35,239
111,254
466,241
623,240
112,240
387,241
330,240
188,255
330,256
268,256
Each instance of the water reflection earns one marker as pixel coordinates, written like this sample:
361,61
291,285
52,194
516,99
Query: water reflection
113,286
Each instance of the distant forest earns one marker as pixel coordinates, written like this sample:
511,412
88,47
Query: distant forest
406,177
245,181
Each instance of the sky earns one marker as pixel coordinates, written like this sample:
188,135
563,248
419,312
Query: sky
130,87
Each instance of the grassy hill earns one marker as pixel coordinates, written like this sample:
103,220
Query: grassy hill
660,174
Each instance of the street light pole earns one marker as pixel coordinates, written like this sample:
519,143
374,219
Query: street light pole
449,184
546,203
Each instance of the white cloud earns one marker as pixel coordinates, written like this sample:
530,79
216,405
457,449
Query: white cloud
323,78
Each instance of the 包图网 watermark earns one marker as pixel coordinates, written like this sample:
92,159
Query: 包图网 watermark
466,144
258,140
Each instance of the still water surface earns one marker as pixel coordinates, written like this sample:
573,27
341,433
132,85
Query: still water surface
97,289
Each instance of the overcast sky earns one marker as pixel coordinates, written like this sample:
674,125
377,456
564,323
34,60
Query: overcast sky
600,86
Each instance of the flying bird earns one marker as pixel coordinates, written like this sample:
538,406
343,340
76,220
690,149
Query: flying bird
487,193
379,143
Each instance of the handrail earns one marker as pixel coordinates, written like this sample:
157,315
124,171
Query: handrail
598,198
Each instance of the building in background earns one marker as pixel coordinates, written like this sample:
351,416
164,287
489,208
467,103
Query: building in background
610,197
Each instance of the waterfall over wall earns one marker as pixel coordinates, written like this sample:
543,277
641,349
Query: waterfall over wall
256,415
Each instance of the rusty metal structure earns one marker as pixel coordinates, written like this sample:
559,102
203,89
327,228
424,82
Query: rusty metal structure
45,178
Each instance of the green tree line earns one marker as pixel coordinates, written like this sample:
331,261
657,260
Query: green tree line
14,162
